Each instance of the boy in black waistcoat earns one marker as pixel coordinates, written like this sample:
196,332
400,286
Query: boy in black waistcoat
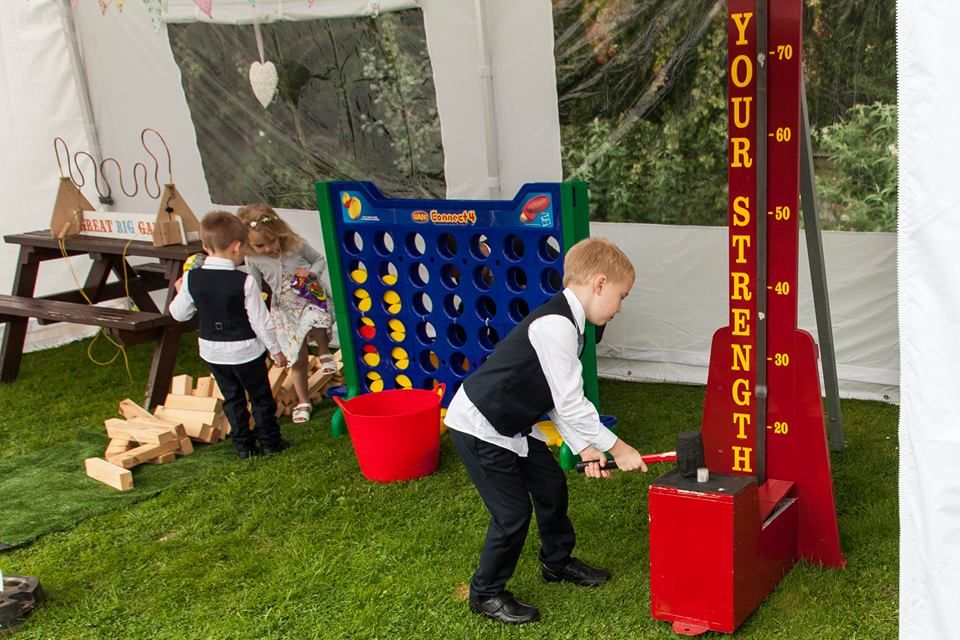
535,370
235,326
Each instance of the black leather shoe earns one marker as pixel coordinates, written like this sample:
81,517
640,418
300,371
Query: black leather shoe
274,448
245,453
578,573
504,608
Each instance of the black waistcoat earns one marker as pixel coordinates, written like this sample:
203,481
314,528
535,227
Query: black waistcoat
510,389
218,295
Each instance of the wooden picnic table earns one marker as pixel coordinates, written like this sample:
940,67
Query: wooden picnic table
129,327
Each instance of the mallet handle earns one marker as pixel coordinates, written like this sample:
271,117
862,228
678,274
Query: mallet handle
650,458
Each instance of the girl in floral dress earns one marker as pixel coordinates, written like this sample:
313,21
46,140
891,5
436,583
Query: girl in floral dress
300,307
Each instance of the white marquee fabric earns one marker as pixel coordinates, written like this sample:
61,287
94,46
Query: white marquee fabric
929,234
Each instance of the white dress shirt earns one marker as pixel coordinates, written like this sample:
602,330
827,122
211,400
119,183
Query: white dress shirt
554,340
235,351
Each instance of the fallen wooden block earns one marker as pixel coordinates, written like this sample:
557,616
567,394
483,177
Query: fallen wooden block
182,385
192,403
139,430
186,446
118,446
109,474
143,453
164,459
194,427
204,387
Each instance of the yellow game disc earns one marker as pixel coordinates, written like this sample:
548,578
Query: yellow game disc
345,199
363,299
389,279
374,381
353,209
400,358
358,275
391,297
371,359
403,382
434,360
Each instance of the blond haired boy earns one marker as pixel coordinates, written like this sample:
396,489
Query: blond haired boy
235,330
536,370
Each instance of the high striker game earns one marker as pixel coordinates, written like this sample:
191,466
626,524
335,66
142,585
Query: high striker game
717,549
424,289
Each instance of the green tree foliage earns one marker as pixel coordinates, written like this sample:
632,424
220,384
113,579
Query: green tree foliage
642,91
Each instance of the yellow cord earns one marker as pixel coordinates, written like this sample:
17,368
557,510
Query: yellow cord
126,288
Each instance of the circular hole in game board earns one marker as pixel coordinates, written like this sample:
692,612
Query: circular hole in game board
457,335
370,355
489,338
480,246
447,245
516,279
483,277
453,305
388,273
374,381
551,281
416,245
486,308
383,243
429,362
518,309
426,333
549,249
361,300
353,242
419,274
422,304
366,329
391,302
400,358
358,271
460,364
450,276
513,248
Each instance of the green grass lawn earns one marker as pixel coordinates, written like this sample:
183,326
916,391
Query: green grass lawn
301,546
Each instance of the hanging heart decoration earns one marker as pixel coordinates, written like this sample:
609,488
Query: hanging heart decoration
263,79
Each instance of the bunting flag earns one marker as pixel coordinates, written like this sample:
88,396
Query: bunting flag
103,6
253,3
153,10
310,3
73,3
119,4
206,6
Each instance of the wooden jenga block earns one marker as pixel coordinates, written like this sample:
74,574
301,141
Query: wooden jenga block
194,427
132,411
216,393
139,431
118,446
109,474
276,376
143,453
193,403
164,459
317,381
287,383
182,385
186,446
204,387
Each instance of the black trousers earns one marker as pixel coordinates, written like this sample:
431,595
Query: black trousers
506,483
237,382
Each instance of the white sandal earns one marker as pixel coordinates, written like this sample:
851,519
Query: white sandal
301,412
328,366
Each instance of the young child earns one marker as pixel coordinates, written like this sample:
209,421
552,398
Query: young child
282,258
235,327
536,370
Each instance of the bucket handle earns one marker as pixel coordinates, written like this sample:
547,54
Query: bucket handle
341,404
440,389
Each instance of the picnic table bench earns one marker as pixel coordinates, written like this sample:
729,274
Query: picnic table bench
109,256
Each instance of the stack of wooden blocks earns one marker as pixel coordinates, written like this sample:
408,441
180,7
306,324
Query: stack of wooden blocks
187,415
281,383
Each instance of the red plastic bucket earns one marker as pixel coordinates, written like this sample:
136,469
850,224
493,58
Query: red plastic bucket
396,433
